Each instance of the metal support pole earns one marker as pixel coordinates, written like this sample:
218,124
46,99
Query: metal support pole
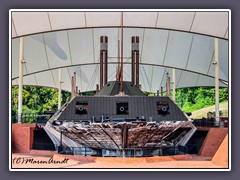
105,69
101,64
217,123
174,84
61,133
174,144
103,61
76,90
74,83
101,70
121,82
97,87
137,64
20,86
60,147
72,92
168,85
118,63
161,91
124,138
137,70
140,86
59,87
133,61
105,58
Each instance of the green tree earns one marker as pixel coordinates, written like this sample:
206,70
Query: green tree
36,100
191,99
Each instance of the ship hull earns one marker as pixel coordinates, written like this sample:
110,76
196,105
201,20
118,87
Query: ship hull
122,135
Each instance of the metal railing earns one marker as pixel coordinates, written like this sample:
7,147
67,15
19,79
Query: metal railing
32,118
189,149
222,113
140,152
205,122
125,152
84,151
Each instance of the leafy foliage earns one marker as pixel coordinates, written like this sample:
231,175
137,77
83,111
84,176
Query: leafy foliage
36,100
191,99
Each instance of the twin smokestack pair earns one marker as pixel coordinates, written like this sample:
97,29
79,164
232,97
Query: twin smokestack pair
104,66
104,61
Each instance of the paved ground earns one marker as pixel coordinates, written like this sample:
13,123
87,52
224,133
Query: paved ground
60,161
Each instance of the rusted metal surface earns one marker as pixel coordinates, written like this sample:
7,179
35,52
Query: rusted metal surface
135,60
137,65
105,59
133,66
137,69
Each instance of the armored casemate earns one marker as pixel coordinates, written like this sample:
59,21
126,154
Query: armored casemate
110,122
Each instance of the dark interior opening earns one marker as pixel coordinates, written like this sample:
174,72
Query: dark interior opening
81,107
122,107
163,107
195,143
41,140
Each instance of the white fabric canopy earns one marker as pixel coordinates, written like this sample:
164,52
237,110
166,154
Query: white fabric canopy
208,23
181,40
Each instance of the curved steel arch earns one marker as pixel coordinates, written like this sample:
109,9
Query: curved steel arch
145,64
117,27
